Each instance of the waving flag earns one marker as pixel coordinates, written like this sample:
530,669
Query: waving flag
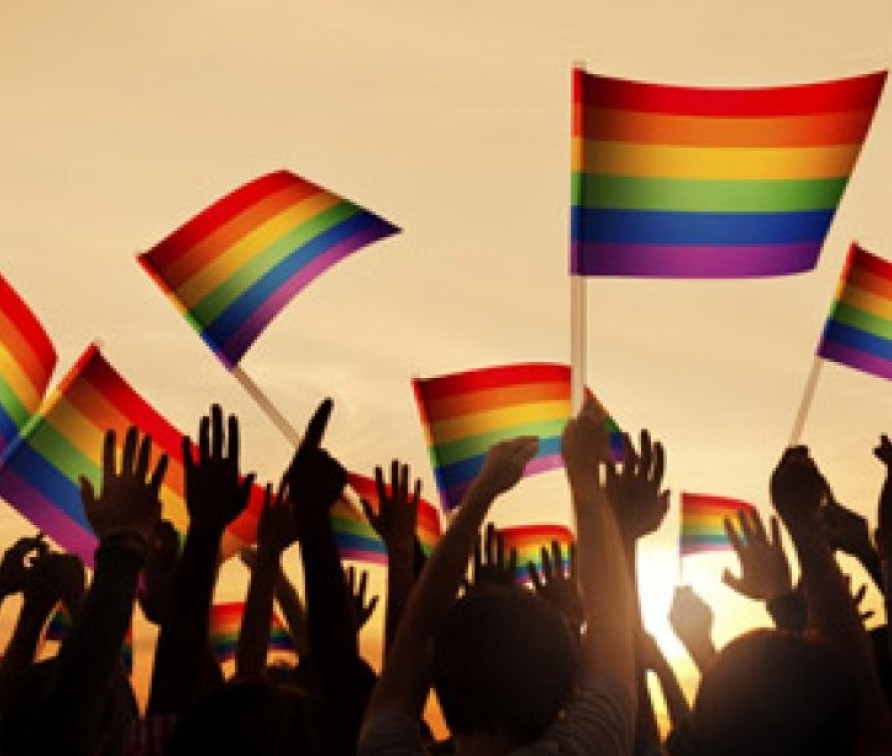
463,414
356,539
858,332
529,540
703,522
225,624
682,182
27,359
63,441
234,266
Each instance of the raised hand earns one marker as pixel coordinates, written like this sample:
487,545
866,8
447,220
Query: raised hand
276,528
314,478
396,518
492,564
127,507
883,451
16,561
54,577
797,488
845,530
634,492
215,491
161,563
559,588
361,609
585,443
764,569
883,534
691,619
504,464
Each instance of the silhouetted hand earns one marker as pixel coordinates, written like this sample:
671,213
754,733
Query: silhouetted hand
858,599
883,451
504,464
314,478
798,488
585,442
634,490
158,571
691,618
559,588
492,565
883,534
396,518
127,506
16,561
764,569
215,492
56,577
845,530
276,528
360,608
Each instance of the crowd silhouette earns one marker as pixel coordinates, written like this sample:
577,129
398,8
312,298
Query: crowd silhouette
555,665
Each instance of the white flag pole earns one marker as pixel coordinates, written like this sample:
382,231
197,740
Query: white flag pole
269,409
805,404
578,284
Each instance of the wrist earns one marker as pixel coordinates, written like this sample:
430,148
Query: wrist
127,540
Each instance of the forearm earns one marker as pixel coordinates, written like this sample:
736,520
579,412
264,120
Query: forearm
87,660
253,639
400,579
676,703
22,648
294,614
184,632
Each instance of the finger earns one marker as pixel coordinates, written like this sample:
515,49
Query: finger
746,529
372,605
88,495
267,496
158,476
129,454
367,510
500,550
867,615
512,562
216,431
317,425
404,483
733,582
758,527
204,438
108,458
478,557
776,539
733,538
547,567
188,461
574,575
535,579
416,494
245,490
351,578
659,464
860,593
646,453
363,583
142,460
395,489
233,439
492,546
248,557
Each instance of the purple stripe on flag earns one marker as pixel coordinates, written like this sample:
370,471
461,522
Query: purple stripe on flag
453,495
855,358
686,261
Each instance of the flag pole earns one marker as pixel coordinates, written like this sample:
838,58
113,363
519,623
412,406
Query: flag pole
578,292
805,405
269,409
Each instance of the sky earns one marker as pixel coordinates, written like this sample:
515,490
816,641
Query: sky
120,120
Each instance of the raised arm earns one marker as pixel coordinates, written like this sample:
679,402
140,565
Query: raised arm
215,495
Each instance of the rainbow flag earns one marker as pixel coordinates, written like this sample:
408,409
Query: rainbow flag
235,265
463,414
703,522
529,540
39,473
683,182
27,359
356,539
60,624
225,624
858,332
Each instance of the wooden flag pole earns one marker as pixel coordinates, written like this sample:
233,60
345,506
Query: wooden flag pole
269,409
805,405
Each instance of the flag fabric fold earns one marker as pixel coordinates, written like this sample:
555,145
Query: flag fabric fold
703,522
684,182
233,267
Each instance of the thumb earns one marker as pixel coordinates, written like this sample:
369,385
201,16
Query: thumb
317,425
733,582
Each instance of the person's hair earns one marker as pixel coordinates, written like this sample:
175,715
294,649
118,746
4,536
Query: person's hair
771,692
246,717
504,661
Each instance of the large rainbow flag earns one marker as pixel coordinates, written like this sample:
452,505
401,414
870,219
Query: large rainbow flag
357,540
27,359
225,624
235,265
39,472
858,332
703,522
463,414
529,540
684,182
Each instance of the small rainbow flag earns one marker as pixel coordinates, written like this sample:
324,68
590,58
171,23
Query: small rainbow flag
858,332
529,540
60,624
356,539
225,624
27,359
40,471
235,265
685,182
463,414
703,522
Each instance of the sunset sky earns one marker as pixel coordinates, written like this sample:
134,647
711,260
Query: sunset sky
120,120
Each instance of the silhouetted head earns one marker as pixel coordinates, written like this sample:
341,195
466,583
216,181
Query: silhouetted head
246,717
775,694
504,662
